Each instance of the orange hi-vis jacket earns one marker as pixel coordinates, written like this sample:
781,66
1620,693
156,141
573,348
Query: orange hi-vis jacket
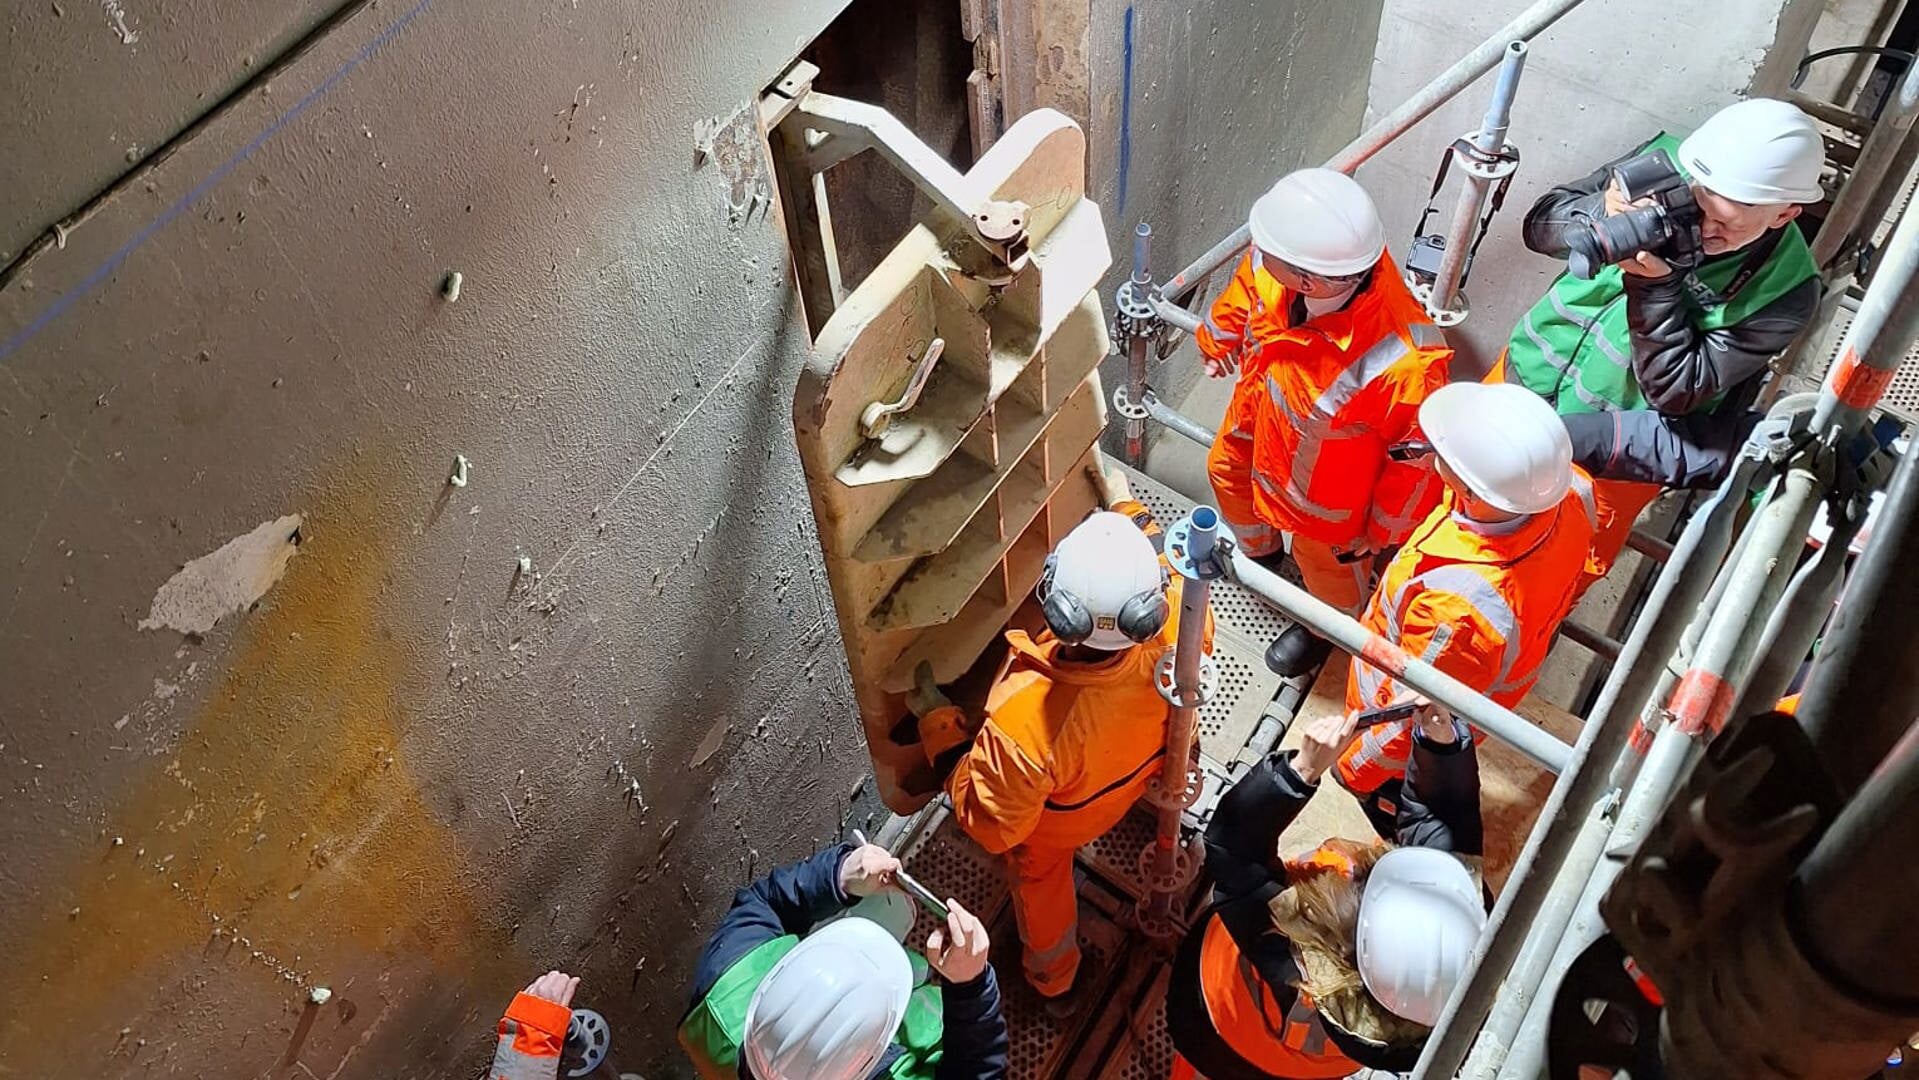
1480,603
1324,399
531,1036
1067,748
1246,1013
1249,311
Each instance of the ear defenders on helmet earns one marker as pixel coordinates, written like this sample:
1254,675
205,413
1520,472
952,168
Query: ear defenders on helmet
1140,618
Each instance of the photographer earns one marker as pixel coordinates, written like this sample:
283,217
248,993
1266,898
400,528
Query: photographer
1687,275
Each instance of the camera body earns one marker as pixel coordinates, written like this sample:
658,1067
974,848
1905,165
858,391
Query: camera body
1668,226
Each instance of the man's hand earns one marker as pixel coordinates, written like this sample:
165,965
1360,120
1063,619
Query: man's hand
1435,724
958,950
555,986
1321,742
866,870
1222,367
1646,265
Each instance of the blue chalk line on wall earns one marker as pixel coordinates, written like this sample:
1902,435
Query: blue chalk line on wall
71,296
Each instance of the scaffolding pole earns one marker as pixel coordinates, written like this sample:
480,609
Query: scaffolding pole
1346,633
1533,909
1491,162
1484,1016
1187,681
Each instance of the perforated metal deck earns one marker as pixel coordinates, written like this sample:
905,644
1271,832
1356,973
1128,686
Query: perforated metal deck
1244,627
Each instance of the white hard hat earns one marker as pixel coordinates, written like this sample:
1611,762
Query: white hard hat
1319,220
1103,585
1503,441
1761,151
1419,918
829,1009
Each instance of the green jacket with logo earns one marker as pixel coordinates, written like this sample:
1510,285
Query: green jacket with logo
1654,376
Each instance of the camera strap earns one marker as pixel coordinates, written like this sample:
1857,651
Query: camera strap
1465,146
1749,268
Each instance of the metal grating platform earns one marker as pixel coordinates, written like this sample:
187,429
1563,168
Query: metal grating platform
1041,1042
1902,395
1145,1049
1244,624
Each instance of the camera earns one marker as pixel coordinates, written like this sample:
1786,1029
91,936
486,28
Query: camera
1668,226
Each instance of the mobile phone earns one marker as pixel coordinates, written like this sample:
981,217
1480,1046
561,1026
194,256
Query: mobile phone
1389,714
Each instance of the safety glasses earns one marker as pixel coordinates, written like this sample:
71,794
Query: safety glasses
1306,282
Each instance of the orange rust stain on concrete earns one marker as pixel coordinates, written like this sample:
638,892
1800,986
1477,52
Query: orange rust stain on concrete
287,826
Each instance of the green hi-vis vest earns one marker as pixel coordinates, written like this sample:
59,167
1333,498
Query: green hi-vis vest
713,1032
1573,347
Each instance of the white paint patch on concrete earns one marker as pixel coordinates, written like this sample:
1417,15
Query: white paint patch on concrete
227,580
117,18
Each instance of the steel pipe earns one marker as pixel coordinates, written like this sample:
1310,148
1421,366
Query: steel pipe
1443,88
1138,344
1170,867
1346,633
1476,181
1652,547
1586,637
1559,855
1699,708
1174,420
1845,224
1878,338
1796,622
1861,694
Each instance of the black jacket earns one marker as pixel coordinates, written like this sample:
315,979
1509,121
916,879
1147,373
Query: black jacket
1680,368
793,898
1438,808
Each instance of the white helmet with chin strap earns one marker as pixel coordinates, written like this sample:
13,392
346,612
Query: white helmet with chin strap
1419,918
1321,221
1760,152
1103,586
829,1009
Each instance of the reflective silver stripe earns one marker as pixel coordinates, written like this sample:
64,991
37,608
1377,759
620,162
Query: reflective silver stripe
1583,487
1374,746
1371,364
1314,430
1564,367
1594,332
1068,942
1255,538
1219,335
1297,499
1395,526
1479,593
1428,336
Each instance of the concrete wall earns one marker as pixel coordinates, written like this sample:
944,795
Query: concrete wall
1226,98
398,775
1590,93
281,709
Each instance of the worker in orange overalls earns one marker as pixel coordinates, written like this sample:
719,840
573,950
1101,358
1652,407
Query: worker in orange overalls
1481,586
1075,727
1334,357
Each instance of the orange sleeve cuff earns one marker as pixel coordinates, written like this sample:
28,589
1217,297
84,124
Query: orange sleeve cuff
546,1016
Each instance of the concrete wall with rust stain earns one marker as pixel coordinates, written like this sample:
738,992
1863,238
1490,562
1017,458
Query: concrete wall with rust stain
395,776
407,772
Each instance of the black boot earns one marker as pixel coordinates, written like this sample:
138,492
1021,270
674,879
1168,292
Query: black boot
1296,651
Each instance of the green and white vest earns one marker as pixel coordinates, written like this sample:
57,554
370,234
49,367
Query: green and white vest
1573,347
713,1032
